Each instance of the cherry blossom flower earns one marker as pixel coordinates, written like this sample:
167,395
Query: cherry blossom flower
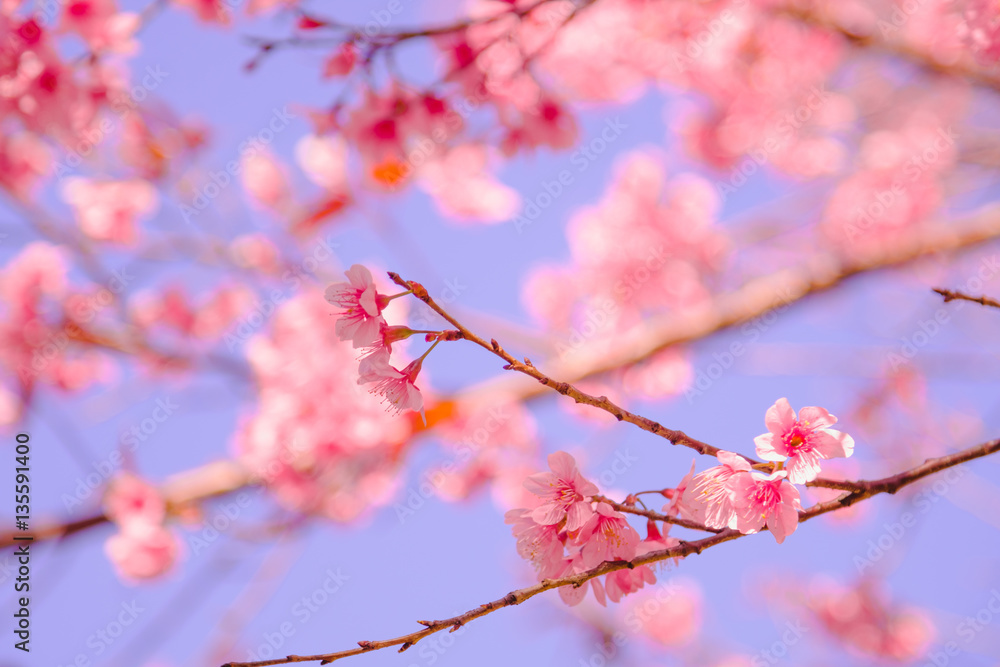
463,188
316,438
864,617
711,495
142,550
108,210
669,615
324,160
564,492
982,30
538,543
101,25
341,62
265,180
607,535
766,499
209,11
362,319
801,442
396,386
677,504
623,582
24,160
130,499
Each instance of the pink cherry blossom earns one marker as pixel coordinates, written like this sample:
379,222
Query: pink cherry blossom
540,544
607,535
678,504
265,180
801,442
766,499
710,497
362,317
142,551
982,30
464,189
669,614
316,438
395,386
209,11
341,62
24,160
864,617
622,582
108,210
565,493
324,160
255,251
130,499
101,25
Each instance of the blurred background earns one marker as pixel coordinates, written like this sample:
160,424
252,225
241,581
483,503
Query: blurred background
693,208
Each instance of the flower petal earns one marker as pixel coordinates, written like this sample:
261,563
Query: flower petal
813,417
779,418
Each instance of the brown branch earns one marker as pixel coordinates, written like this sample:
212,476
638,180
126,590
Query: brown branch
564,388
886,485
656,516
755,298
950,295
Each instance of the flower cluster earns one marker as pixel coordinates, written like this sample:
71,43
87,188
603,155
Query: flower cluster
143,547
315,438
362,323
733,495
567,530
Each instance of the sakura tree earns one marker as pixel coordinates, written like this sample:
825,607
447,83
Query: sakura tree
336,329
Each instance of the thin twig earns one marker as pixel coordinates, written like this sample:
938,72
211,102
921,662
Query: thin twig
886,485
950,295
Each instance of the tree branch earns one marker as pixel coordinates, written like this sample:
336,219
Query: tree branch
753,299
950,295
886,485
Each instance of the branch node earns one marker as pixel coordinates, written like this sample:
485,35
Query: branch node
405,646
